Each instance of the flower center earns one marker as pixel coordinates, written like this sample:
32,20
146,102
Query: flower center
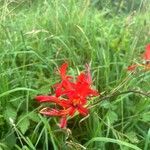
75,102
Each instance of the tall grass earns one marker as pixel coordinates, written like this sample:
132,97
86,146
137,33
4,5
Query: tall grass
37,36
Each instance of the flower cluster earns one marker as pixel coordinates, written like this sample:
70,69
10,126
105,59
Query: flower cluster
146,58
70,95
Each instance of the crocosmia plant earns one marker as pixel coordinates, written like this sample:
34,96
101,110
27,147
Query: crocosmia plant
71,95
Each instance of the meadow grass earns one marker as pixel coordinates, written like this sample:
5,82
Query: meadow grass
38,36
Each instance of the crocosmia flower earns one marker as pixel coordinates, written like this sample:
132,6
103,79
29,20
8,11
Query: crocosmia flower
147,53
71,95
146,58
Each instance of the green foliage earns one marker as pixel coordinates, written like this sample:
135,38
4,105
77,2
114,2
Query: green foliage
37,36
24,124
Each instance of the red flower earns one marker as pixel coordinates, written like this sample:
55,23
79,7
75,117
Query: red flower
146,57
70,96
147,53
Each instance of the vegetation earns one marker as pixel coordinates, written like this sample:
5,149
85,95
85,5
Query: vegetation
38,36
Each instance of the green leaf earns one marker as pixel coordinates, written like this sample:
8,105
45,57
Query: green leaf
112,116
3,146
106,104
10,112
2,120
24,123
34,116
145,117
132,137
110,140
16,90
10,140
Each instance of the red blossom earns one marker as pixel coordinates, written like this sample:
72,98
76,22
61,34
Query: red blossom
147,53
145,66
69,96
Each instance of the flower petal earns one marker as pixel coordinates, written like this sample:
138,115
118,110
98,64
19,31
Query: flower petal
53,99
83,111
64,87
72,111
147,53
50,112
89,77
62,70
63,122
65,103
81,78
45,98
